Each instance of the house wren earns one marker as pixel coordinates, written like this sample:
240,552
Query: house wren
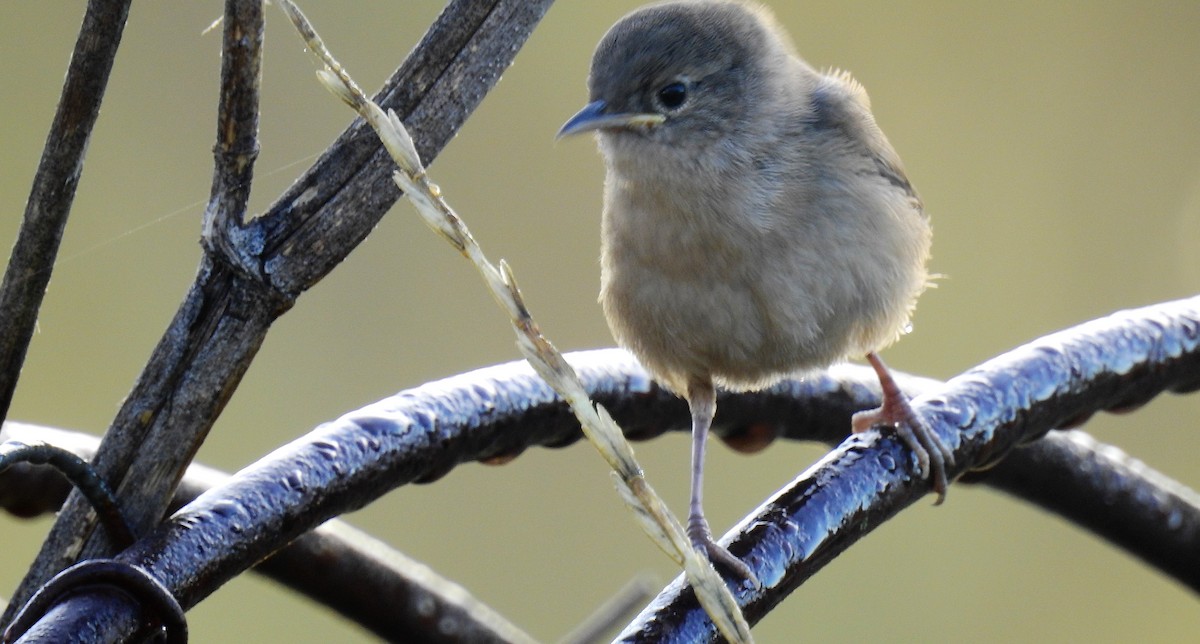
757,223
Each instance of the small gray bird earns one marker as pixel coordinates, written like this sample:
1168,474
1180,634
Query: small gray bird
757,224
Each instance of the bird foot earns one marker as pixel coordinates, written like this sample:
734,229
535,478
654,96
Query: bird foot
702,540
933,456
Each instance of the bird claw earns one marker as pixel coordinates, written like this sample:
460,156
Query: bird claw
702,540
933,456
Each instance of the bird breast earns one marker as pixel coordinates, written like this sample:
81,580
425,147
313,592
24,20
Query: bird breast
748,285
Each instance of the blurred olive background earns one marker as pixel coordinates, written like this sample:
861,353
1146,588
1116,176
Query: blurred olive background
1056,146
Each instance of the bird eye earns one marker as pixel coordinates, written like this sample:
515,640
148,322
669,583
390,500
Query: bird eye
672,96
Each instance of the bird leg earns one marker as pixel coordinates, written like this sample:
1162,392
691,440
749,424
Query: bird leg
932,454
702,400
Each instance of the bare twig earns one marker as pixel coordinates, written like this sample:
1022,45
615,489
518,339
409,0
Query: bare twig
187,382
58,173
224,317
237,132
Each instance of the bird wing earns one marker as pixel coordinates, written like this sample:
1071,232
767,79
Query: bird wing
840,103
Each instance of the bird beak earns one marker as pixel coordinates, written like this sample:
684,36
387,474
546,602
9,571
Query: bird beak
593,117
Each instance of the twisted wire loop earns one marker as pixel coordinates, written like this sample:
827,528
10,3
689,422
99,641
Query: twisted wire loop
154,599
80,474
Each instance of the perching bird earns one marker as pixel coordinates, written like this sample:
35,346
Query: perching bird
757,223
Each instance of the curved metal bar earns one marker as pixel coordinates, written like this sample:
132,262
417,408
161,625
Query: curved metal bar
1116,362
495,413
336,564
